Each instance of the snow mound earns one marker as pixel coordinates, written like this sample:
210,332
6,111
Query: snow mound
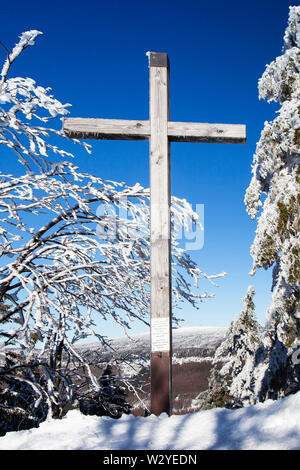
272,425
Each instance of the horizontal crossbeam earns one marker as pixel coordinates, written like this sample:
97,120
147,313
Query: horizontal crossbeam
123,129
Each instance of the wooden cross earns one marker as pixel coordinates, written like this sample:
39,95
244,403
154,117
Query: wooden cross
160,131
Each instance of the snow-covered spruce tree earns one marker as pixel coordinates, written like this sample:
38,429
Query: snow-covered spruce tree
276,174
232,356
73,247
109,400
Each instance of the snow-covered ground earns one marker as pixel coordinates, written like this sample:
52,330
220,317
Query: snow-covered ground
269,425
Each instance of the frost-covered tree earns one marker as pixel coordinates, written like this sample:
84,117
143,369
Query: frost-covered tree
273,196
243,341
226,380
109,400
74,247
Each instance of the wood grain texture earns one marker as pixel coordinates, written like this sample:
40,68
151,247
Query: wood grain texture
160,193
110,129
206,132
122,129
160,234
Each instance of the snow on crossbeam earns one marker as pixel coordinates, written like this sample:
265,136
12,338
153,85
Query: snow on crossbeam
123,129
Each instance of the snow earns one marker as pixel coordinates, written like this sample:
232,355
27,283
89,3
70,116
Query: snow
26,39
272,425
184,337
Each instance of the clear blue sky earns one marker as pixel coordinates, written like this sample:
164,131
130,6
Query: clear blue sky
93,55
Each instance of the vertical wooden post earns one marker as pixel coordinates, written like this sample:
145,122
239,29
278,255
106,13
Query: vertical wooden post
161,312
